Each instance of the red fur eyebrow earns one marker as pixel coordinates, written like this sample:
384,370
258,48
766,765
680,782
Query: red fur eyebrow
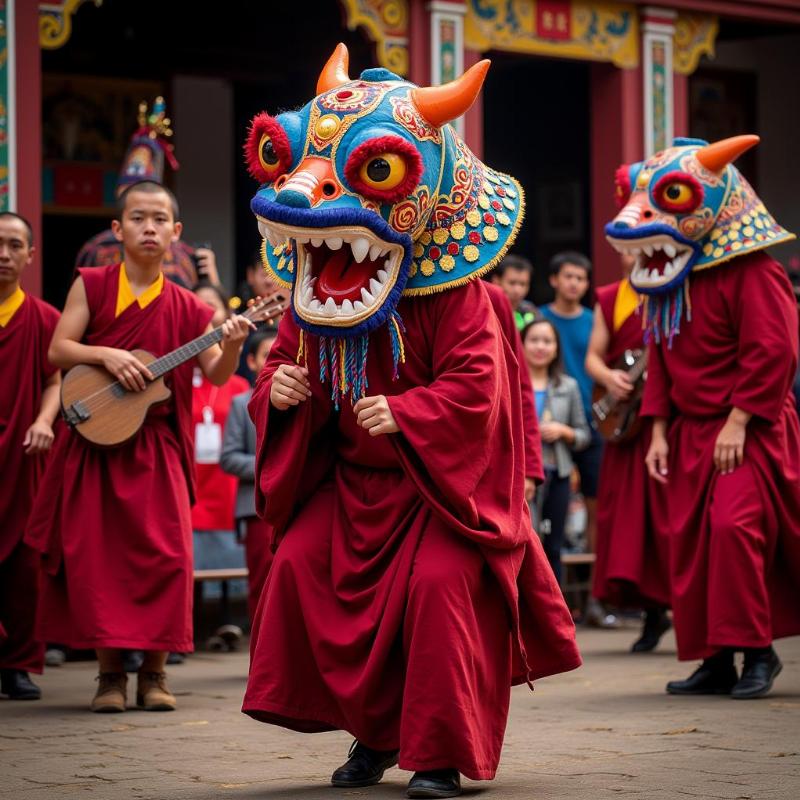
263,123
678,177
376,147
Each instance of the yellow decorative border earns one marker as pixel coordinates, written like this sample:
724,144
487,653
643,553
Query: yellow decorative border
695,35
386,24
600,31
55,22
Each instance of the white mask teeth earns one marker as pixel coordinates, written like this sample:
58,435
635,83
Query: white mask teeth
360,248
367,297
358,306
347,307
334,242
383,275
317,242
375,251
374,287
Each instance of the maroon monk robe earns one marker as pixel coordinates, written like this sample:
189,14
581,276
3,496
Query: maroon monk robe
534,468
734,540
379,614
114,526
24,372
631,566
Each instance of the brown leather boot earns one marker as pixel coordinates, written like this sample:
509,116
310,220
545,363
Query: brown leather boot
112,693
152,693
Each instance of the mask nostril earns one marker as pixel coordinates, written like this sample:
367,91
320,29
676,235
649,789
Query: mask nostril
648,214
279,183
329,188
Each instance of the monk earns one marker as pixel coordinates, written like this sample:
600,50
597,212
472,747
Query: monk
408,591
28,408
726,450
114,525
631,566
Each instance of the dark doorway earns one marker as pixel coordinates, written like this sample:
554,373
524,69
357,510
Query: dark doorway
537,128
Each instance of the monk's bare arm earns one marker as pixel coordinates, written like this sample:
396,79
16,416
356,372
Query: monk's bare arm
39,437
615,380
220,362
67,351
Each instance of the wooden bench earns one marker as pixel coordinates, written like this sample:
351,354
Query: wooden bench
222,575
576,591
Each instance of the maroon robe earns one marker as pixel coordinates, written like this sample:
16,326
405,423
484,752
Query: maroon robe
534,467
734,540
114,526
408,591
631,566
24,372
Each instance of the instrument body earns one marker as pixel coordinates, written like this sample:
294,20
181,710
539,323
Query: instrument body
619,420
110,422
99,408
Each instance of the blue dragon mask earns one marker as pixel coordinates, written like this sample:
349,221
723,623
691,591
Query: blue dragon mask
685,209
366,195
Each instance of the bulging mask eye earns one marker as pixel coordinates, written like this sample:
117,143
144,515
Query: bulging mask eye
266,153
385,169
267,150
678,192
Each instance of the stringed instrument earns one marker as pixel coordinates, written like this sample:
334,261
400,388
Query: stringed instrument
618,420
99,408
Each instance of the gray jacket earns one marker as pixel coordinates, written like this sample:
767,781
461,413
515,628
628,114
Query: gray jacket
239,454
563,404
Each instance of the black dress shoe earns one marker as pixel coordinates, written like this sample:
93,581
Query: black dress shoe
716,675
435,783
761,667
364,767
18,686
656,624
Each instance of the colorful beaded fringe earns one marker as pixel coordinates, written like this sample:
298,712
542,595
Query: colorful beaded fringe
663,314
344,361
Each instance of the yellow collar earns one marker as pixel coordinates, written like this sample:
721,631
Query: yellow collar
10,305
625,303
126,297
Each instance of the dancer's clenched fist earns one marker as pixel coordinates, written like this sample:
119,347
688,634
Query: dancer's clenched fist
290,386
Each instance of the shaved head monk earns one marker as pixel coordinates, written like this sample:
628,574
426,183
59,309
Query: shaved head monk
27,412
116,529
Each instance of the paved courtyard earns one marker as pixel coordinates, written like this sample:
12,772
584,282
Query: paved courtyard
606,730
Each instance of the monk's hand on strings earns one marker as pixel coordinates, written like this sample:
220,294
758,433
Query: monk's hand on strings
374,415
657,457
235,330
127,369
290,386
729,447
38,438
619,384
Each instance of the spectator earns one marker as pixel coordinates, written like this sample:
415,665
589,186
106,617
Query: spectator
215,544
563,427
513,276
570,276
257,284
238,459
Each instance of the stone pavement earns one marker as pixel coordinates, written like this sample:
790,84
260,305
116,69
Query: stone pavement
606,730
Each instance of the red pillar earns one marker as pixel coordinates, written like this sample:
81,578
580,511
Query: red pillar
473,119
616,138
29,131
680,104
419,43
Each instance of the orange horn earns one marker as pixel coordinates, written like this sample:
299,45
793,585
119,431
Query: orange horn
440,104
334,73
716,156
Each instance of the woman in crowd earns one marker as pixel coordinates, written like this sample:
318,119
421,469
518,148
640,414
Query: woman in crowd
563,427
